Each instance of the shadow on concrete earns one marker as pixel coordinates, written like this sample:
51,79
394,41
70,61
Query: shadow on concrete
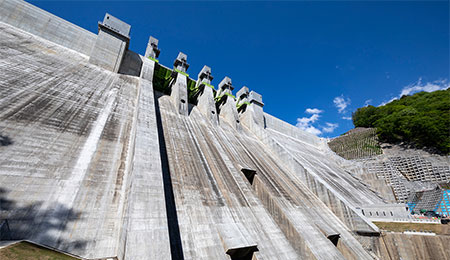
131,64
30,222
5,140
190,107
176,247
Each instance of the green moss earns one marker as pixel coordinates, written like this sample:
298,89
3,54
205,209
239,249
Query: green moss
161,79
153,59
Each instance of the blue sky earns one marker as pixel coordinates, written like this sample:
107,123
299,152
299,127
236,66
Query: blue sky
313,62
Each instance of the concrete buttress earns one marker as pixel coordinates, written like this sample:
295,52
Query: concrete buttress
226,104
205,100
179,90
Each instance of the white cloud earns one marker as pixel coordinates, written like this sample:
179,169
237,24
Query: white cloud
347,117
313,111
367,102
341,103
329,128
313,130
418,87
305,123
428,87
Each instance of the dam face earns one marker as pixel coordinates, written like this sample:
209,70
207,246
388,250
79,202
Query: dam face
106,153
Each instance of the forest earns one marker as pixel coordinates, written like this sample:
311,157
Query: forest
421,120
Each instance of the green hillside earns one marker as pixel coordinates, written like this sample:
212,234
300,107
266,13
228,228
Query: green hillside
422,119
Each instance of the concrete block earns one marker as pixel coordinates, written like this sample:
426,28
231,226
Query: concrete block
116,25
181,62
152,48
205,75
237,241
255,98
111,44
226,84
242,93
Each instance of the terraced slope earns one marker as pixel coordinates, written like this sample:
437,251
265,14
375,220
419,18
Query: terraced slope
356,144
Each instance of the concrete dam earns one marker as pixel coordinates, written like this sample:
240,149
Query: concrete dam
108,154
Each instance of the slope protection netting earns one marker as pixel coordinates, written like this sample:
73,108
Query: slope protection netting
408,174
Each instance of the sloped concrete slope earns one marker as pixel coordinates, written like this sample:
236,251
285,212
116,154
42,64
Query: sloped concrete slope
205,163
71,176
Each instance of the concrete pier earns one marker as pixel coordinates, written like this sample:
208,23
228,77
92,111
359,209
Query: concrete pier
149,61
152,50
206,103
179,92
112,42
242,99
250,108
226,104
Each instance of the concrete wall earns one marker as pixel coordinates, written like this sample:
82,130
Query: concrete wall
385,211
71,123
403,246
34,20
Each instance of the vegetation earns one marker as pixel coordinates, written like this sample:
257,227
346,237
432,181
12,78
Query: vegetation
422,119
29,251
356,144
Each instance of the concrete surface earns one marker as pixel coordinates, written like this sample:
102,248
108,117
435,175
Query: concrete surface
99,165
36,21
111,44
